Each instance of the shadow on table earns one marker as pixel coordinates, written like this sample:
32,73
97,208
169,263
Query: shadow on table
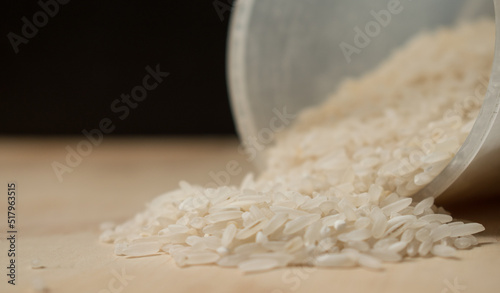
485,211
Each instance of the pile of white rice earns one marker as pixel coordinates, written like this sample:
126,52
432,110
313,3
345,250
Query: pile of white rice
338,186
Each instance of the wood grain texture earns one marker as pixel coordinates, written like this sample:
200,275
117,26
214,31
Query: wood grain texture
59,226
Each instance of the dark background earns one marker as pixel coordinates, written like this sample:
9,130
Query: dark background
66,77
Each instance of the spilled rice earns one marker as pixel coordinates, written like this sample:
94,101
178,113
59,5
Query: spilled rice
338,184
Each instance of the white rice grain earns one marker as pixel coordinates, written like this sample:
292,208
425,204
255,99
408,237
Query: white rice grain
443,250
228,235
335,260
423,205
300,223
356,235
440,218
466,229
199,258
369,261
462,243
258,264
396,206
142,249
275,223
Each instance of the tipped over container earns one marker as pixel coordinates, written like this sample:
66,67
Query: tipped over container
288,55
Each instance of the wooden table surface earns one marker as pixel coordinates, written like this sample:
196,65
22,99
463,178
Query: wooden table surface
58,226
